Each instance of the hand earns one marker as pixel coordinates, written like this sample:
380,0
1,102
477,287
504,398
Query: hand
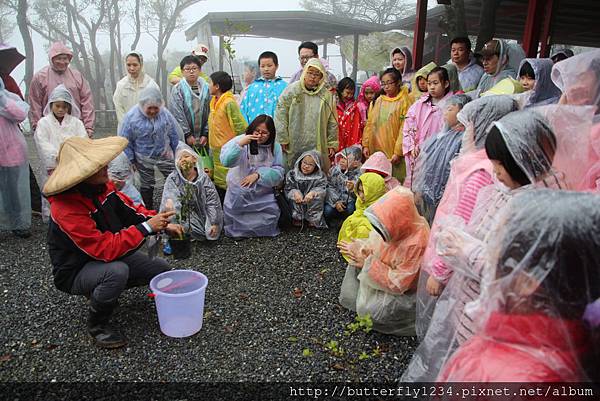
160,221
353,252
340,207
250,180
190,140
434,287
90,133
284,148
350,185
214,229
203,141
309,197
395,159
169,205
449,242
246,139
331,152
174,230
366,153
415,152
297,198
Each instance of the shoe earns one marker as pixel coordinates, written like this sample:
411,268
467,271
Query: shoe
22,233
167,249
105,335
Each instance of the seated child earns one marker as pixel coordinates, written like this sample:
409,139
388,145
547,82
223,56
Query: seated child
121,174
369,189
306,189
342,178
190,192
530,313
378,163
534,75
390,260
350,126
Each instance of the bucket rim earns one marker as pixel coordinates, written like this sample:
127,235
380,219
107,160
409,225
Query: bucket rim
157,291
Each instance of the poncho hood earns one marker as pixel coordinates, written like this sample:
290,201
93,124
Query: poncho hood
545,91
315,63
58,48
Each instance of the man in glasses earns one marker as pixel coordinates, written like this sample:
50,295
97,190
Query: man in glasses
306,51
190,102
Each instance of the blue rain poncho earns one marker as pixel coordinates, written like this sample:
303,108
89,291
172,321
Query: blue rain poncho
120,172
261,97
433,164
152,141
251,211
544,91
190,109
200,196
15,197
298,183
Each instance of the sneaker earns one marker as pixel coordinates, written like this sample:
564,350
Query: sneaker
22,233
167,249
107,336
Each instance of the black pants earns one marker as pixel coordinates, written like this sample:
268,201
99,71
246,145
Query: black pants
104,282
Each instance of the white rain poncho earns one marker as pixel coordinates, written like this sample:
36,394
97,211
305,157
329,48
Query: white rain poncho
15,198
152,141
544,91
298,183
196,202
127,92
252,211
388,278
533,146
433,163
509,60
51,133
121,173
542,266
190,109
337,190
469,172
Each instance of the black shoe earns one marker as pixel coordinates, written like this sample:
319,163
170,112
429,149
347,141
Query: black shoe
104,334
22,233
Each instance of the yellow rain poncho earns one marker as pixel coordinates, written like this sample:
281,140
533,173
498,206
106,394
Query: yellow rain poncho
415,92
383,131
306,119
357,225
225,121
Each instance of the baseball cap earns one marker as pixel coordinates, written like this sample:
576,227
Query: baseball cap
200,50
491,48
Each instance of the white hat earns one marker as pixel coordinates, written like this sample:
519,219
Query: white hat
200,50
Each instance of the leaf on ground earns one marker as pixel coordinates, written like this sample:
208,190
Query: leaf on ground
5,358
243,296
338,366
307,352
229,329
293,339
297,292
363,356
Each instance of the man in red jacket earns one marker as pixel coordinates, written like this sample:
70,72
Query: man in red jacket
96,231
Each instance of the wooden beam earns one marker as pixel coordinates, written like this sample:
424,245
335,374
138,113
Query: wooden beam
355,58
419,39
533,22
546,38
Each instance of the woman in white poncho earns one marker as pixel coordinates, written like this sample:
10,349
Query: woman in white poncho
129,87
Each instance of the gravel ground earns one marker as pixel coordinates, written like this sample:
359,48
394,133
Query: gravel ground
268,303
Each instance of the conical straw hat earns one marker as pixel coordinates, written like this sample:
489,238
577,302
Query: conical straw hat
79,159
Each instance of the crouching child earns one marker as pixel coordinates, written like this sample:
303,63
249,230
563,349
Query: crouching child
341,198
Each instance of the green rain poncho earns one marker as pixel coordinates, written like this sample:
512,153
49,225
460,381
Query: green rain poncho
306,119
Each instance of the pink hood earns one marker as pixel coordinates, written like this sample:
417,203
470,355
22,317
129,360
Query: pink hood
58,48
379,162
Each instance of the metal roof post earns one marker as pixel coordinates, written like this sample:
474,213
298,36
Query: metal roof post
546,38
531,32
419,39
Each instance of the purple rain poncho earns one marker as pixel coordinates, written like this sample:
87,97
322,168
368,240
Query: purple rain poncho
251,211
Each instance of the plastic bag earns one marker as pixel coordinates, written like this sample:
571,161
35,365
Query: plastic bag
205,161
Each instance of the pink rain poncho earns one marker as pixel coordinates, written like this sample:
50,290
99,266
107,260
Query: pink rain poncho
15,201
379,163
252,211
363,105
530,316
45,80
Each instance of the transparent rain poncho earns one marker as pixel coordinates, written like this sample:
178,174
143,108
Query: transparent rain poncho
542,266
121,173
15,197
544,91
152,141
196,202
509,60
252,211
535,148
468,174
337,190
380,164
388,276
298,183
433,163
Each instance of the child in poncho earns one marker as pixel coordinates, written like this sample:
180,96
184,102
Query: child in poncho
350,127
306,189
342,179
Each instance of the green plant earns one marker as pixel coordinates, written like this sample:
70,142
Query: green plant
230,30
186,200
363,323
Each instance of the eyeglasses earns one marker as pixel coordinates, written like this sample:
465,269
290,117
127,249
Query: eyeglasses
307,164
388,83
305,58
314,74
261,132
190,69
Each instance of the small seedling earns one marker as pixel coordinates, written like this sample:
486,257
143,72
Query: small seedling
307,352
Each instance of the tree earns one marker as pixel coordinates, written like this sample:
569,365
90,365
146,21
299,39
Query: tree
6,22
23,23
162,18
454,23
